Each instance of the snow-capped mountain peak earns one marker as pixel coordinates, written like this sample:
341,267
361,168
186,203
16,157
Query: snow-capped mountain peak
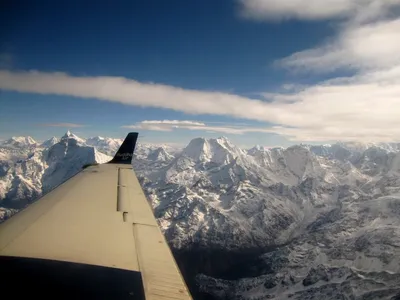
95,139
220,150
72,139
106,145
20,141
253,151
198,150
67,134
26,171
159,154
50,142
70,135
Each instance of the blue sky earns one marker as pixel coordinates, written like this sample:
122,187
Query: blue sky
257,71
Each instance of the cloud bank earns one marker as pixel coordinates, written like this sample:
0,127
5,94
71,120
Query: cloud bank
131,92
364,106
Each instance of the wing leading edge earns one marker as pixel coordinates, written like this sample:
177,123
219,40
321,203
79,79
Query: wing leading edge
100,218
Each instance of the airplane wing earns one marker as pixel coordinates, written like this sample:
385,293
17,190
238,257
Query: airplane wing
92,237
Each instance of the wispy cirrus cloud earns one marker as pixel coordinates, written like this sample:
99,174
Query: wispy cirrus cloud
174,122
359,10
66,125
162,125
367,38
359,48
171,125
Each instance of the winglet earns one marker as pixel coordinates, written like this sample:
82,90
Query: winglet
125,152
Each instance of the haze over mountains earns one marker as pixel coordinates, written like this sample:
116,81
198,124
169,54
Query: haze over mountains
306,222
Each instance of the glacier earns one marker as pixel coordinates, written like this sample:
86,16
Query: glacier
303,222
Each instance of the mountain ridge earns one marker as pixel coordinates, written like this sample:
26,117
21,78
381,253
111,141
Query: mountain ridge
303,222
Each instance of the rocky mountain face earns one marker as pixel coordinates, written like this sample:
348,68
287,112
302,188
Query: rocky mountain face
306,222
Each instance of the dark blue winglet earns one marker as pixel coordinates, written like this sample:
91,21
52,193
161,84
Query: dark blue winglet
125,152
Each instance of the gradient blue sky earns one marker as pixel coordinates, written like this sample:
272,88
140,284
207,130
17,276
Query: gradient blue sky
239,48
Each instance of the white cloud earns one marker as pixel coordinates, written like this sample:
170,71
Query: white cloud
173,122
300,9
362,107
368,46
148,127
359,10
162,125
170,125
131,92
67,125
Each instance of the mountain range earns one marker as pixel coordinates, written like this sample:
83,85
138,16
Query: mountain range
304,222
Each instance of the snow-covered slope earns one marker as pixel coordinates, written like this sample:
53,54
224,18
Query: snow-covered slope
28,170
306,222
50,142
66,158
326,218
19,142
107,146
